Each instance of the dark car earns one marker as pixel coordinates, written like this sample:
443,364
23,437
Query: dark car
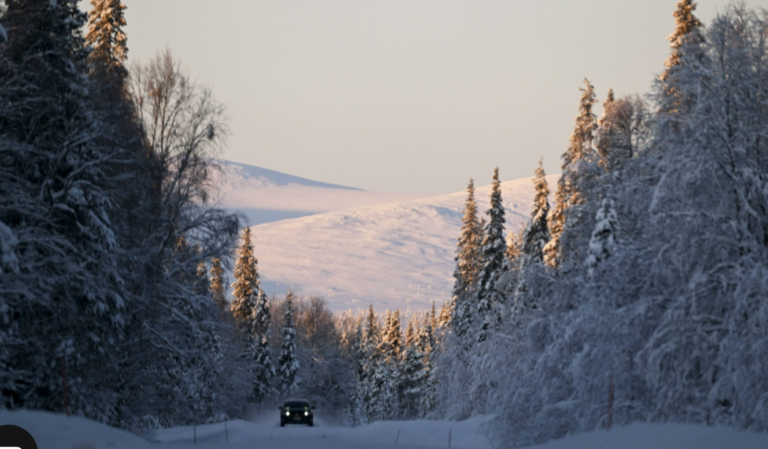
296,411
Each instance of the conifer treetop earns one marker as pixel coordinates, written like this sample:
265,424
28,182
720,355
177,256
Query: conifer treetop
687,30
217,283
580,146
246,285
105,32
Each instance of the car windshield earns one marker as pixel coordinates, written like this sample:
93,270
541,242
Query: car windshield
296,404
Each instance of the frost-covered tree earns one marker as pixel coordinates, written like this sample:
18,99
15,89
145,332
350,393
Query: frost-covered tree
536,235
218,283
246,285
414,377
687,49
425,342
288,364
569,189
107,42
202,284
61,292
392,340
264,370
467,268
603,241
624,129
493,256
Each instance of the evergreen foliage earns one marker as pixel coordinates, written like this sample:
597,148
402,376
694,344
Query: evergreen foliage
570,188
107,41
467,269
246,285
603,241
217,284
288,365
535,237
264,370
493,255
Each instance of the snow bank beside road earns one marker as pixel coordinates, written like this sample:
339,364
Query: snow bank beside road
56,431
662,436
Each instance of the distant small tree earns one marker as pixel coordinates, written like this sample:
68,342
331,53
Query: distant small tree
288,365
603,241
217,283
264,369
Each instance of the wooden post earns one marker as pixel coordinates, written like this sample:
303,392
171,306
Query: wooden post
610,404
449,438
64,380
398,436
226,433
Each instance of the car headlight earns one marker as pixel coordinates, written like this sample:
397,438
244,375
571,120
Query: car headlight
306,413
287,413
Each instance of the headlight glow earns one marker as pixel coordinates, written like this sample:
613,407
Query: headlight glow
306,413
287,413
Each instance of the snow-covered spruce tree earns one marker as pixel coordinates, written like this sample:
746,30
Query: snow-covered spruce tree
61,292
108,43
386,377
603,241
246,285
217,284
264,370
288,365
570,188
535,237
370,358
414,378
425,342
686,43
467,270
392,339
493,255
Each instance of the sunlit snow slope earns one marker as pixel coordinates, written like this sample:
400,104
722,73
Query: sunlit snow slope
264,195
395,254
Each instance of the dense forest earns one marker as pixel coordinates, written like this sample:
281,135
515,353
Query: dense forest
645,278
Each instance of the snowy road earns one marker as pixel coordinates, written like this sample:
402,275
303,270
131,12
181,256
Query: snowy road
55,431
268,434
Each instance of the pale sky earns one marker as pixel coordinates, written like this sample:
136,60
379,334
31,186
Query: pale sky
407,95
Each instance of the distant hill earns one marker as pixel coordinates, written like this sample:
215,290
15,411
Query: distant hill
387,249
264,195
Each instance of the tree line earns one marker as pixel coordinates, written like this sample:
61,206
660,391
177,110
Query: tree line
648,272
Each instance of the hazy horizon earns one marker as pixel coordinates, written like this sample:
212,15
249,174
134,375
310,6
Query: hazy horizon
403,96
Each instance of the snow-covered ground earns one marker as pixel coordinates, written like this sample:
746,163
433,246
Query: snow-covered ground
55,431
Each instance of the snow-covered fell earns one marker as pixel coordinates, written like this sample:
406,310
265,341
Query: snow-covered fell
396,254
264,195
